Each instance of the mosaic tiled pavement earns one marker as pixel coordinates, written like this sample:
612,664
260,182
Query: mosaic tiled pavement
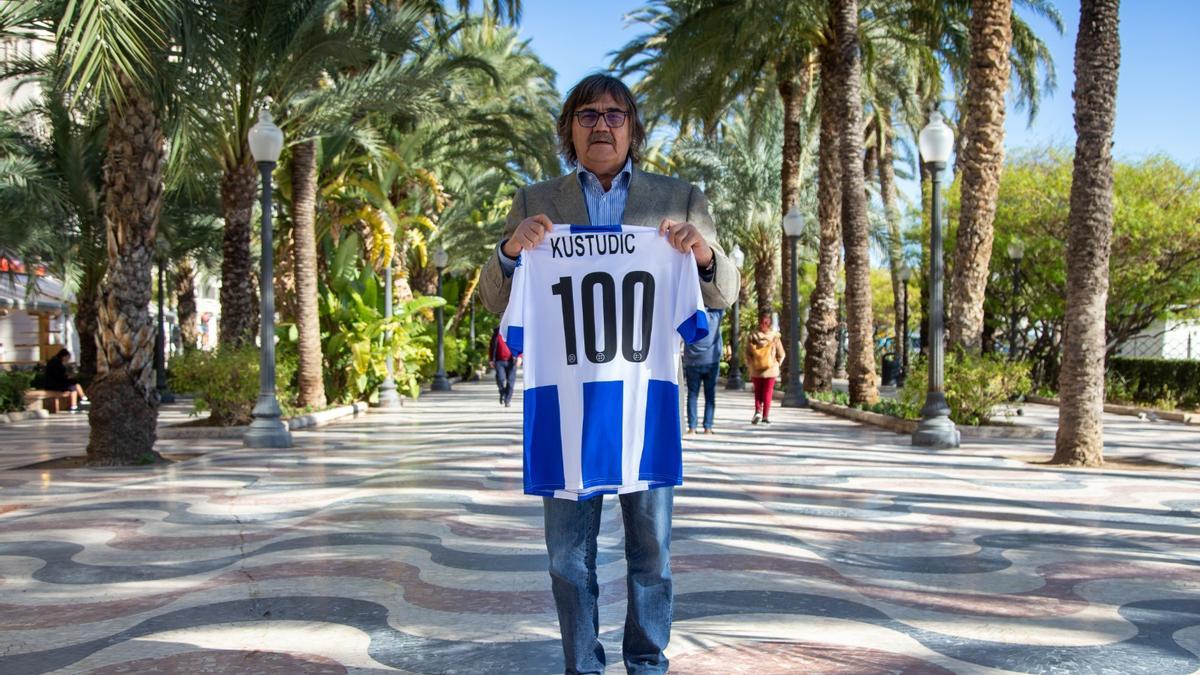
402,542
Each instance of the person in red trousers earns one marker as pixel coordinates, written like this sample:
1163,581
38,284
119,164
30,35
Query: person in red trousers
764,354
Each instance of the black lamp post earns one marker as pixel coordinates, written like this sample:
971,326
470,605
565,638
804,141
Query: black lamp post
734,381
1016,251
160,346
440,381
268,429
902,340
936,429
793,227
388,397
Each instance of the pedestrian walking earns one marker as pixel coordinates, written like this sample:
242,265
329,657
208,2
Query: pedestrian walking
504,362
764,355
701,367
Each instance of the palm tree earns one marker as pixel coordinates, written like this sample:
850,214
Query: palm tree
820,347
120,57
1080,439
855,228
981,159
703,56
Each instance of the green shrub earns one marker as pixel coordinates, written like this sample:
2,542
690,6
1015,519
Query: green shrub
225,382
895,408
835,397
1150,381
975,385
13,386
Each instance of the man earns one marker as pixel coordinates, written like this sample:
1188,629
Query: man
600,133
504,362
702,366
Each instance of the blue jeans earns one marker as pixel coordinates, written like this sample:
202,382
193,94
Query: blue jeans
506,377
708,375
571,529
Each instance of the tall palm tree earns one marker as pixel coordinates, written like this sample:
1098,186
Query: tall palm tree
981,159
123,57
855,228
820,344
1080,438
703,56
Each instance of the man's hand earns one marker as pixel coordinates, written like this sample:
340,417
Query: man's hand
529,233
685,237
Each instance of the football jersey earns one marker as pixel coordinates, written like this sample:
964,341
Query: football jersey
598,312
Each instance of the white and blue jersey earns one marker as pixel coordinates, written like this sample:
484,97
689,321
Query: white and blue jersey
598,313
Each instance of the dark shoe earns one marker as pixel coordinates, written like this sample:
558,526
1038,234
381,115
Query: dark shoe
766,421
709,432
506,404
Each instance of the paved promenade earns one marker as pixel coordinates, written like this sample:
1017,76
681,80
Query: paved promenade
402,542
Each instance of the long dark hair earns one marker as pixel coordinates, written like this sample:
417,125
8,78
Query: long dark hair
590,89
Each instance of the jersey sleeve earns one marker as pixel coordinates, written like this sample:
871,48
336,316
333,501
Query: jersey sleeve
512,324
691,321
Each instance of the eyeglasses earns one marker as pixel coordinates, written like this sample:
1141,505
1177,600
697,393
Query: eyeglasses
590,118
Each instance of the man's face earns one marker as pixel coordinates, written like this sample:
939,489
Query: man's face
601,149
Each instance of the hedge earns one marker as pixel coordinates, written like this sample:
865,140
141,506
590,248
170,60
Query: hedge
1169,382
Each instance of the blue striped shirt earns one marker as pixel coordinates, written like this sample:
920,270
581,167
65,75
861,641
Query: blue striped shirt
605,208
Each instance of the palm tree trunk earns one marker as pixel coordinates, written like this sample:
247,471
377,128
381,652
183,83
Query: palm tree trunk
820,348
185,300
887,191
855,229
304,235
86,322
794,82
981,160
124,410
1080,439
239,301
464,302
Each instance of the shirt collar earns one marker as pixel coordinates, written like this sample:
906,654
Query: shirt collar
626,172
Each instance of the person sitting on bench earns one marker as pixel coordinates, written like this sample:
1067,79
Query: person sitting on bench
57,379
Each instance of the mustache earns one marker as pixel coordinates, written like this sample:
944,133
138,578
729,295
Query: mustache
601,137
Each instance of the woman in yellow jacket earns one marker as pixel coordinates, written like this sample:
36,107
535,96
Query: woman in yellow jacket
764,354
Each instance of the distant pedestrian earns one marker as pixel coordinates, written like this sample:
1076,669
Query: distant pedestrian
501,358
764,355
702,365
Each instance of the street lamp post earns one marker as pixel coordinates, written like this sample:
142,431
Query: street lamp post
936,429
388,396
1016,251
268,429
160,346
793,227
440,381
902,341
735,381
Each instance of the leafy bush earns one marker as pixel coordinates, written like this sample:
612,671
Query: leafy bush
1150,381
355,332
13,386
835,397
225,381
894,408
975,385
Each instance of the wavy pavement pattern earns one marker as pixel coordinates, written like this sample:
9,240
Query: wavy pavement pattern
965,562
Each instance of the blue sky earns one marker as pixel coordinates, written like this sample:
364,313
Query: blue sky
1158,101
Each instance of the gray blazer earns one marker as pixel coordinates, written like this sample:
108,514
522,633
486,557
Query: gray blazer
652,197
